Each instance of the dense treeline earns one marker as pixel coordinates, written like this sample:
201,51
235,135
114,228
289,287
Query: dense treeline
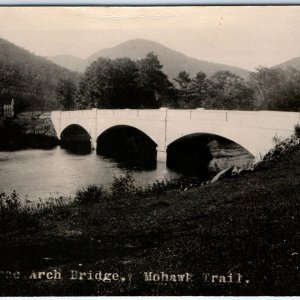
223,90
38,84
29,79
266,88
124,83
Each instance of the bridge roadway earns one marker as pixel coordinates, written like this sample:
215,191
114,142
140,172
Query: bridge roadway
253,130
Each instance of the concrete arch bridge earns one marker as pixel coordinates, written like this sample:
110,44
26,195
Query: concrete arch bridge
253,130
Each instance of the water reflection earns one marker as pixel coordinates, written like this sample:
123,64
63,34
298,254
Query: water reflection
131,160
36,173
71,166
77,148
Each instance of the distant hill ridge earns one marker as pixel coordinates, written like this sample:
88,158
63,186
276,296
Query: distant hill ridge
173,61
72,63
11,54
294,63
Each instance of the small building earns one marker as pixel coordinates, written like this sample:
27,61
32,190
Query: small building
7,107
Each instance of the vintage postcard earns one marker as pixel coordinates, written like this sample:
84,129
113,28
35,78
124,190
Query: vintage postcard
150,151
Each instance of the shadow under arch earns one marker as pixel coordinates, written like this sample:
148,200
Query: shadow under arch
129,146
76,140
194,153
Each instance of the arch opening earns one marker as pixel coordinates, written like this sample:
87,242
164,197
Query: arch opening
75,139
228,153
203,154
128,146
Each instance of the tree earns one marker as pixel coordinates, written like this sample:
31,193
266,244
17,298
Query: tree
123,83
154,86
66,91
265,82
5,74
191,92
199,90
277,89
227,90
286,96
13,86
10,77
184,88
109,84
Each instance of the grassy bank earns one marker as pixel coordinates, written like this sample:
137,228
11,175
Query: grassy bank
247,224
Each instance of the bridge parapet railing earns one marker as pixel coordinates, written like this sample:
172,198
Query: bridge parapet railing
153,114
196,115
264,119
122,113
73,114
147,114
77,114
111,113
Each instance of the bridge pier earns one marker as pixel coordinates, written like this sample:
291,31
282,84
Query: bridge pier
94,143
161,155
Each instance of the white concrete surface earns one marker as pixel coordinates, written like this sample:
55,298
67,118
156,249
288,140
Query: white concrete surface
253,130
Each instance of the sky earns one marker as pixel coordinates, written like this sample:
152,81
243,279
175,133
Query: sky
241,36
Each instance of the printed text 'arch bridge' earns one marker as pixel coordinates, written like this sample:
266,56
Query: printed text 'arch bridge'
253,130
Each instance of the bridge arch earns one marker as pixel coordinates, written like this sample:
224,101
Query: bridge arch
75,133
193,153
132,129
234,136
144,129
127,143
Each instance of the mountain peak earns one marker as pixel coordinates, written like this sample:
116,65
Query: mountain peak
173,61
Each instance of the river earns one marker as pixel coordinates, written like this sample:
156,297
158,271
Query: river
35,173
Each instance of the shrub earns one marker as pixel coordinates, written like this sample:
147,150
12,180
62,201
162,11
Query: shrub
91,194
123,186
14,215
54,208
297,130
158,188
276,140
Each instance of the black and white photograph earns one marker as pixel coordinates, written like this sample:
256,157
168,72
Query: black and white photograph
149,151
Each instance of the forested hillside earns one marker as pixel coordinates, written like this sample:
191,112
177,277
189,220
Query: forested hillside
30,79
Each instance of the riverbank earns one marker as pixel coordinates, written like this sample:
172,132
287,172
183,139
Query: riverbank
27,131
246,224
